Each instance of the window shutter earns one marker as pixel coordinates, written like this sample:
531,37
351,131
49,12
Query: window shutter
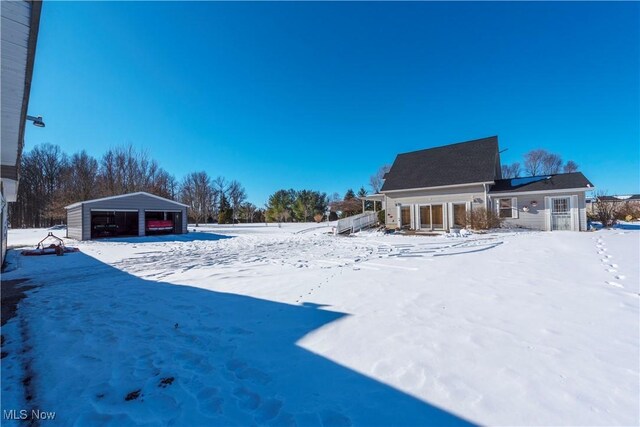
547,213
514,207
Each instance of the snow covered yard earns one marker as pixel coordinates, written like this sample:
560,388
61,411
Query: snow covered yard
290,326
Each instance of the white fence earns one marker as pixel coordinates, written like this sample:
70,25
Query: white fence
356,223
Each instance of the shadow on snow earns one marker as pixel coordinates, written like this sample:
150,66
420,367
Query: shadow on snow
159,238
234,359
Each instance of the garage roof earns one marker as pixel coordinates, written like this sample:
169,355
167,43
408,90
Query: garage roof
125,195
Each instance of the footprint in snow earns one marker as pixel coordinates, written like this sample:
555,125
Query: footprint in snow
617,285
613,265
247,399
612,270
268,410
620,277
333,418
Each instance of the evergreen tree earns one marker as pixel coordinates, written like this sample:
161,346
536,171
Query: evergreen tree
225,213
349,195
280,205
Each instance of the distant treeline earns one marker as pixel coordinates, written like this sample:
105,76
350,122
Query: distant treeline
538,162
50,180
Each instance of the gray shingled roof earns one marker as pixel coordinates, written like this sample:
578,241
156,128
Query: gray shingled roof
560,181
461,163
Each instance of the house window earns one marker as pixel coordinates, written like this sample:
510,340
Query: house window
505,208
561,206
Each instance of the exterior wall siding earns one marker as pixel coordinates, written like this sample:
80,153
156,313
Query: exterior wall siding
536,217
137,202
474,195
5,226
74,223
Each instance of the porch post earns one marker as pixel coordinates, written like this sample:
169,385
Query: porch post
363,205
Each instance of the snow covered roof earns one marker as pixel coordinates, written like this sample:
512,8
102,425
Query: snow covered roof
561,181
125,195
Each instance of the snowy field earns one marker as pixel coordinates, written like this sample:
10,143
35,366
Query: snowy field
249,324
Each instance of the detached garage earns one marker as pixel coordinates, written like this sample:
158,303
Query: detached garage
134,214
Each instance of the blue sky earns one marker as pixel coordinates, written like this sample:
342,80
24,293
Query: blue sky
319,95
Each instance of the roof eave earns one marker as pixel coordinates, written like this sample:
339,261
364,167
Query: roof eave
119,196
557,190
383,191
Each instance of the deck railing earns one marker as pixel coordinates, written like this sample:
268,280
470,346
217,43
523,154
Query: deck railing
356,223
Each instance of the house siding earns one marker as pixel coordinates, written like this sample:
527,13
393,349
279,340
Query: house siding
74,223
473,194
135,202
536,217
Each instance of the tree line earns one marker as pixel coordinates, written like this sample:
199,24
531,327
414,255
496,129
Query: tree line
50,180
310,205
538,162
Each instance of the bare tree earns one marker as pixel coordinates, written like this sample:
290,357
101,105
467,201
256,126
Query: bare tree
82,177
570,167
40,199
125,170
511,171
196,193
533,162
376,180
551,164
237,195
605,209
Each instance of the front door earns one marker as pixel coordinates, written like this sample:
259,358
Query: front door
560,213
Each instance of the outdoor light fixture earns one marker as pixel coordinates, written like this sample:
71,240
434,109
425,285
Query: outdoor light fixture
37,121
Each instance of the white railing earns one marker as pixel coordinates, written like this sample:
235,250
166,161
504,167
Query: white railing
356,223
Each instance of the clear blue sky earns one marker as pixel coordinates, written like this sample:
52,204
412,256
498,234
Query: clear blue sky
319,95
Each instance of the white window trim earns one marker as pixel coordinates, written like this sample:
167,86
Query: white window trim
514,207
575,226
431,205
467,208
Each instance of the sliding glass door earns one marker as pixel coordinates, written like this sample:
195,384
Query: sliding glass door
437,217
405,217
431,217
425,217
